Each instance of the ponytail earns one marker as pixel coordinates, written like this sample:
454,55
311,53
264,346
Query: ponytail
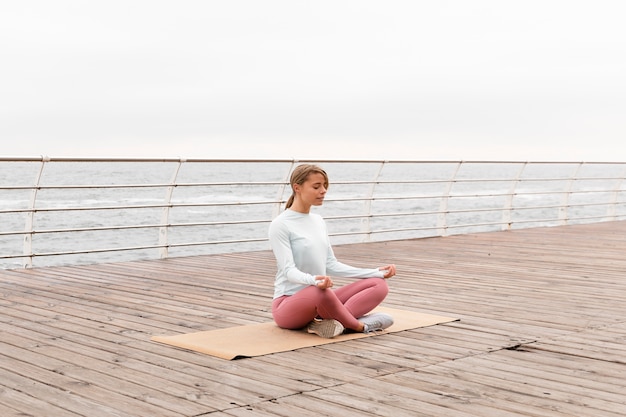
290,200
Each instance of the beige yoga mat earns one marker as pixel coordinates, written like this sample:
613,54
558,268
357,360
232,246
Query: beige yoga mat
265,338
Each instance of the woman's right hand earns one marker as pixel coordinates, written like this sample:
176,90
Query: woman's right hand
388,270
323,282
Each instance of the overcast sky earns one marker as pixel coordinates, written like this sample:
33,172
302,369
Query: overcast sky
425,80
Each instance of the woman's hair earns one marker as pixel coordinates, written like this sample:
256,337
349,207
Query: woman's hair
299,176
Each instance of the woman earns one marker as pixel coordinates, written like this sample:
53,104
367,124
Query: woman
305,259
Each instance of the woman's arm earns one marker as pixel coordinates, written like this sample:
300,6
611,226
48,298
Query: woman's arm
339,269
281,246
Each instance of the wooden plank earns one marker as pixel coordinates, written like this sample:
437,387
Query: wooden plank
467,393
521,363
70,381
383,400
535,391
24,392
104,347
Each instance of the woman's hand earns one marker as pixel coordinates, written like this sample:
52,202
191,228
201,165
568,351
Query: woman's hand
323,282
388,270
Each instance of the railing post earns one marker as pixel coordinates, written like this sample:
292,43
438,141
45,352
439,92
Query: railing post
27,261
564,209
165,214
365,222
442,217
612,209
507,221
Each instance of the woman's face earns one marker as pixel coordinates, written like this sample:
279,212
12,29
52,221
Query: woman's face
313,190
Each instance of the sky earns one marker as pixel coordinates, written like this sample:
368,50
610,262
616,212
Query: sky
292,79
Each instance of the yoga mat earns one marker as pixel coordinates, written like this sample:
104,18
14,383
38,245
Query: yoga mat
265,338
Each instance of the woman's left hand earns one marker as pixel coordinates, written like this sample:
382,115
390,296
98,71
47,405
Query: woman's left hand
323,282
388,270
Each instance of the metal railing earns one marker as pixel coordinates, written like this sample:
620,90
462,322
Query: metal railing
57,211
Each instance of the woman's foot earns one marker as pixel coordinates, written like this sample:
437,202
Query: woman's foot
376,322
326,328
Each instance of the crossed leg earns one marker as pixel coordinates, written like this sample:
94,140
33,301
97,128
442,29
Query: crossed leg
345,304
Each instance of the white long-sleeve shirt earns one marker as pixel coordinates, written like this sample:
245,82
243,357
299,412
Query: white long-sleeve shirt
302,249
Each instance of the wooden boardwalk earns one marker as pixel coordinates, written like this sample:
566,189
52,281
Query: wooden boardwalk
542,332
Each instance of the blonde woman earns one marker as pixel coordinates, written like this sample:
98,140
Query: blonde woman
303,287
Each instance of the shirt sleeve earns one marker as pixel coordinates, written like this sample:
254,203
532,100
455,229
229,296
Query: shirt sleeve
281,246
339,269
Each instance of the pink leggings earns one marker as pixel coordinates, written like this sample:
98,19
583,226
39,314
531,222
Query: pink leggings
344,304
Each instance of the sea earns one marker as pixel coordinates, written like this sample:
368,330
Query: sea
226,206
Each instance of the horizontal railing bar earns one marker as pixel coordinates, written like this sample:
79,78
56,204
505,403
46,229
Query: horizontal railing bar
142,206
124,186
271,202
412,229
472,210
134,248
258,183
47,158
140,226
460,226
